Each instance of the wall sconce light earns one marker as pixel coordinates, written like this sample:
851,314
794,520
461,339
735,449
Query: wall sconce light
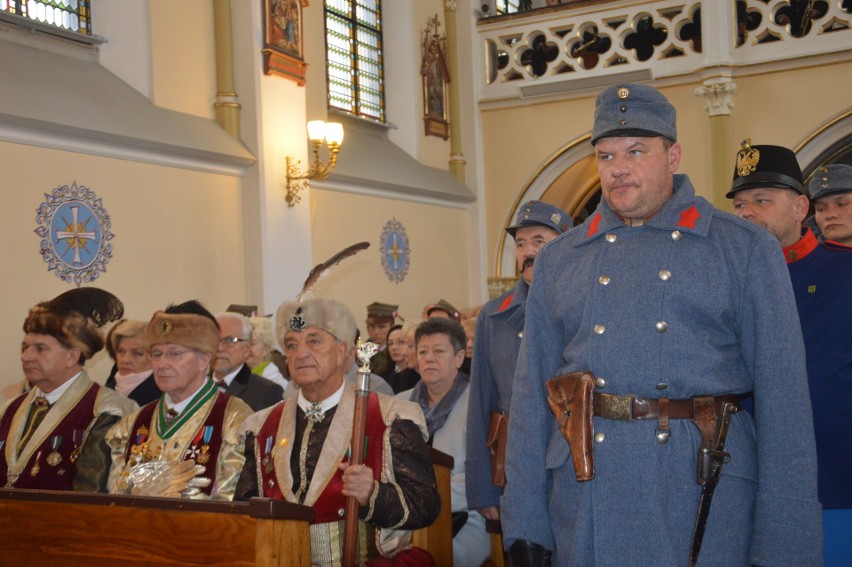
318,131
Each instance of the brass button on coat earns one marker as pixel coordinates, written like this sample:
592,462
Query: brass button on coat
599,437
599,329
662,327
676,235
662,386
611,237
665,275
604,280
600,383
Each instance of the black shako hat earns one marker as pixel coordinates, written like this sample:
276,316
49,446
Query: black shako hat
766,166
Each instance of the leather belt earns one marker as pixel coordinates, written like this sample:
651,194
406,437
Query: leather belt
610,406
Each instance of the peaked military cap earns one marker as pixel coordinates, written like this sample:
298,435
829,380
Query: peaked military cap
629,109
378,310
442,305
766,166
830,179
536,213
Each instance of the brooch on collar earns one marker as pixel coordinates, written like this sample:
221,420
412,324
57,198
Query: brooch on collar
315,413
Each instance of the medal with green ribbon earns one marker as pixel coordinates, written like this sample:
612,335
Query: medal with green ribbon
164,430
54,458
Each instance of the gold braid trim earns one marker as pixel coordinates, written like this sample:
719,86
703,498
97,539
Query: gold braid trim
373,498
303,458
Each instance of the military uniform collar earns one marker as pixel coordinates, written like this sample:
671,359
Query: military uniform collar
683,213
802,247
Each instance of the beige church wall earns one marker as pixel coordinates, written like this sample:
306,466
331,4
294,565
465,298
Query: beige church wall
785,108
178,236
439,257
183,56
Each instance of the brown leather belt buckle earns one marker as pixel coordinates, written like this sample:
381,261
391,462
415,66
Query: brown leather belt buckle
616,407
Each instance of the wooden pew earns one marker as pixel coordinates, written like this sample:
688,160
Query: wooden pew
66,528
438,538
47,527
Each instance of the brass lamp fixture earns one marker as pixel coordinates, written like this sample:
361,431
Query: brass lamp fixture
318,132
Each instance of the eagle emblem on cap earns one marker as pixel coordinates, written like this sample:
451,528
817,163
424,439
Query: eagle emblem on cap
166,328
623,93
747,158
555,218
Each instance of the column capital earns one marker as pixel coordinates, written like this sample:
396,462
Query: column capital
718,93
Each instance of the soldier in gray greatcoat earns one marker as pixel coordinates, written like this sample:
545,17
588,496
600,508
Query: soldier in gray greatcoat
498,338
678,310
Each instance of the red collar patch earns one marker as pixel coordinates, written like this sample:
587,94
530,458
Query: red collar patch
593,226
804,246
506,302
688,217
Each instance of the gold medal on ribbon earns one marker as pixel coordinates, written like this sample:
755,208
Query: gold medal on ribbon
36,467
55,457
204,455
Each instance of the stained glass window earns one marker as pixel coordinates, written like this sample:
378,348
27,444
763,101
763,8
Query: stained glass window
70,15
509,6
355,61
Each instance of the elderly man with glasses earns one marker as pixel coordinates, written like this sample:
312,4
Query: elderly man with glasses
185,443
230,371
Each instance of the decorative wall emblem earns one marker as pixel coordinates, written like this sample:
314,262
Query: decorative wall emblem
396,255
74,228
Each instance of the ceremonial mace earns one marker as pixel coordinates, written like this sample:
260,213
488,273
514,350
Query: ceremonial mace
365,351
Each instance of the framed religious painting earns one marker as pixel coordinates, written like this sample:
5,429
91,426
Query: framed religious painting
283,44
435,79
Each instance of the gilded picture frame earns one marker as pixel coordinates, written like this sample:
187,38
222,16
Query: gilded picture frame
283,41
436,77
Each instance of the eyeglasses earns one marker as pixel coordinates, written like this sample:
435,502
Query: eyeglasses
169,355
229,342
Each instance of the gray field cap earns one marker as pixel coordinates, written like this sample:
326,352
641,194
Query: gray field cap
629,109
830,179
536,213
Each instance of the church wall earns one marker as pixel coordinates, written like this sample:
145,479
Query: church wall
183,56
178,236
784,108
438,261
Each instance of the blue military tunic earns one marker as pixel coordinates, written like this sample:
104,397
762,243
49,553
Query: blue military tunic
822,284
498,339
693,302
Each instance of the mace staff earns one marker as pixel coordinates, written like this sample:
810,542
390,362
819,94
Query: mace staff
356,449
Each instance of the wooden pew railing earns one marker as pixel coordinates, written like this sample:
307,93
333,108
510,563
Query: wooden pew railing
44,527
39,527
438,538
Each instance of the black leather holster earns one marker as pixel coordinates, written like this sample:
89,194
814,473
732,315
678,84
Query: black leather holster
524,553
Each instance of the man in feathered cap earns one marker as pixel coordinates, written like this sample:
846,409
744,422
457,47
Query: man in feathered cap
186,442
301,444
645,326
53,436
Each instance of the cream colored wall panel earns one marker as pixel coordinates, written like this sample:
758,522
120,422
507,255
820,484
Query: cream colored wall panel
183,56
783,108
178,236
439,257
